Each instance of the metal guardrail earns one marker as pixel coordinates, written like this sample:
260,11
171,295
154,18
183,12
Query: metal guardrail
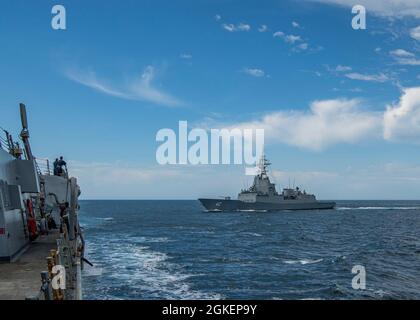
68,253
4,143
43,166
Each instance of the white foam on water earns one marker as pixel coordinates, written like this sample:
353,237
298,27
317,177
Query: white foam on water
105,219
303,261
150,240
253,234
378,208
92,271
204,232
148,273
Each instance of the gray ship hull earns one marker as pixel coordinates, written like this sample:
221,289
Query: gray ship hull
236,205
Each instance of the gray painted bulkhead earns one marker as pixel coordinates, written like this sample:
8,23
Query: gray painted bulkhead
17,178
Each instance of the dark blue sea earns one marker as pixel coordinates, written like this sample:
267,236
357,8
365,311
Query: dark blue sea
175,250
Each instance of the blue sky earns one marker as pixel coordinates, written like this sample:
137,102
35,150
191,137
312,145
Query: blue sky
340,106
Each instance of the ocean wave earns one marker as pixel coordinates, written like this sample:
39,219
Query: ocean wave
150,239
105,219
92,271
145,272
378,208
253,234
303,261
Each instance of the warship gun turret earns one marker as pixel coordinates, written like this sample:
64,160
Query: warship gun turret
262,196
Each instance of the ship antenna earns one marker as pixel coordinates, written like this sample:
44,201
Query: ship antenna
25,132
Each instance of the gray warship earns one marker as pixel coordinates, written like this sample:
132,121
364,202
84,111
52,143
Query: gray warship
262,196
41,242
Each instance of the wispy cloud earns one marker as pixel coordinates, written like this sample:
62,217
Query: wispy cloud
367,77
255,72
295,24
297,42
139,89
341,68
401,53
404,57
289,38
236,27
415,33
302,46
263,28
338,70
385,8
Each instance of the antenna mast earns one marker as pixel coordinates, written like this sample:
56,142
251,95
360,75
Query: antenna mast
24,134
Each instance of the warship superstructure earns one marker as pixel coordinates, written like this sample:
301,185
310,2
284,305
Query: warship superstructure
262,196
41,242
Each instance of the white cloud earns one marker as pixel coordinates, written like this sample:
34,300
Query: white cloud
140,89
254,72
367,77
385,8
384,180
103,180
401,53
408,61
402,120
303,46
263,28
235,28
278,34
415,33
295,24
404,57
292,38
328,122
289,38
378,181
341,68
218,17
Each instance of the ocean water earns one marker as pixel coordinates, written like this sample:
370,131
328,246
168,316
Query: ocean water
175,250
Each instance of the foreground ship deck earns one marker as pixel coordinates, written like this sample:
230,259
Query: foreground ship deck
41,242
21,279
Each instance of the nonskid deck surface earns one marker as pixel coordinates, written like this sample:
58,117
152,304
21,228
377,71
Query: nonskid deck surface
22,279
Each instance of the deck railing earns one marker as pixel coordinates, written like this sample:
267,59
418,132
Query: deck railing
43,166
4,143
